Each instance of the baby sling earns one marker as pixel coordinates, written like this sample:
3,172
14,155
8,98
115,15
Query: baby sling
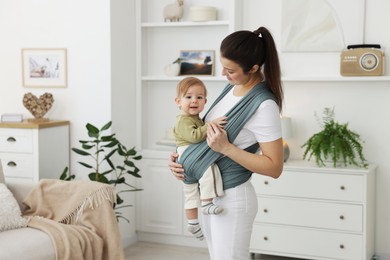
198,157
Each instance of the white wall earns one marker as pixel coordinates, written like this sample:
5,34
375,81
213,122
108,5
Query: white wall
83,27
363,104
66,24
123,94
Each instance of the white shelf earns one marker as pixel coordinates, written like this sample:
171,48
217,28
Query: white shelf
336,79
284,79
184,24
165,78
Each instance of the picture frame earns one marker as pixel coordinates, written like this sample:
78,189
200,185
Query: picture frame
44,67
197,62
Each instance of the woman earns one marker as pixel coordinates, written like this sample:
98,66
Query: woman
250,61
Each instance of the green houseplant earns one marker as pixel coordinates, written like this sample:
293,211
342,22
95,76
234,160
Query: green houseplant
335,143
102,151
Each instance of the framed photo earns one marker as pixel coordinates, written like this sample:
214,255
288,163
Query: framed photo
44,67
197,62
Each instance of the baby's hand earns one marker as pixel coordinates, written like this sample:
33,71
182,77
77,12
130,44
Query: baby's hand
220,121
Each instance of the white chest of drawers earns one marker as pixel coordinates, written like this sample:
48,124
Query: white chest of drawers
316,213
30,151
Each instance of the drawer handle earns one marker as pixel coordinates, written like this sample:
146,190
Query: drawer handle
11,139
342,246
265,238
11,164
342,187
266,182
341,217
265,210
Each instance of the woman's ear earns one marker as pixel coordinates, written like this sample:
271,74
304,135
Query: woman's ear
254,68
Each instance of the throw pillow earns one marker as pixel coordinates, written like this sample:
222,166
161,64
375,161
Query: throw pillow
10,214
1,174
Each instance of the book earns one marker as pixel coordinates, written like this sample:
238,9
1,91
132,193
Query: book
11,118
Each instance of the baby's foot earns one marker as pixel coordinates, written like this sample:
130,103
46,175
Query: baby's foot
211,209
196,230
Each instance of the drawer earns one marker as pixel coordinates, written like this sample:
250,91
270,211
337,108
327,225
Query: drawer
17,165
16,140
309,213
342,187
306,243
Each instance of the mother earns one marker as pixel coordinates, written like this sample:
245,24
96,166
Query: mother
250,62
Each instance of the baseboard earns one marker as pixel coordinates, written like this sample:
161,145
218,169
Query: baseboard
380,256
127,241
180,240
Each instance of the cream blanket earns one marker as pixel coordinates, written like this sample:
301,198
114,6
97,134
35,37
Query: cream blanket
79,218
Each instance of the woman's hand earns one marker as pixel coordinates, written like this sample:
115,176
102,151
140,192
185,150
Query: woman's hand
217,139
176,168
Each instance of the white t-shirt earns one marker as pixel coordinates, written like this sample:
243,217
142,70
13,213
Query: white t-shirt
264,126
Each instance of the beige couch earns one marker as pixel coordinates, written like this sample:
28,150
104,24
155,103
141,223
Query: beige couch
24,243
77,220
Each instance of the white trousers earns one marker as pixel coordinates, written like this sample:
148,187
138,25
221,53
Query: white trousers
228,234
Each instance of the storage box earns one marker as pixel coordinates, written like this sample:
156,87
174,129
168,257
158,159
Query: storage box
203,13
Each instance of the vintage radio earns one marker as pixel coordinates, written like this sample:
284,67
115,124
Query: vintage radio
362,60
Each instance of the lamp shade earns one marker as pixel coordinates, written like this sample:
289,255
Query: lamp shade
286,127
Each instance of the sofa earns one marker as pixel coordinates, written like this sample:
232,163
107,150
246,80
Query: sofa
59,220
24,243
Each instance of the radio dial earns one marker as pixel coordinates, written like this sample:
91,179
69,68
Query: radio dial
369,61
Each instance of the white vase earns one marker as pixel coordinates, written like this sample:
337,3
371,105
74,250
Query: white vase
172,70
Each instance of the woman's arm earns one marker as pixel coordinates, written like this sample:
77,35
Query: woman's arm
269,162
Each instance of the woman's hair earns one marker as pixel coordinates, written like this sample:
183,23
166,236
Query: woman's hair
186,83
248,48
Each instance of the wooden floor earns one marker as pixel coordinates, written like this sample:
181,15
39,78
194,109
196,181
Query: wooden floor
152,251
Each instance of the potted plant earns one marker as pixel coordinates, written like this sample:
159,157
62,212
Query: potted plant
102,151
335,143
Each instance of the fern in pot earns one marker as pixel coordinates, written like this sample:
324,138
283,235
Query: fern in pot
335,143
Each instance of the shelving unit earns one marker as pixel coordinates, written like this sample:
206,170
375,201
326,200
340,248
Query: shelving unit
158,44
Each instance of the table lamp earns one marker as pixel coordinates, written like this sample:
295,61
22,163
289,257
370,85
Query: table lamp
286,133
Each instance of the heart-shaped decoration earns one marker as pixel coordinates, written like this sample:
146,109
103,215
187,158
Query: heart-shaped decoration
38,107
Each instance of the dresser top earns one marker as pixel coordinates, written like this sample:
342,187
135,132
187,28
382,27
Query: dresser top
311,166
34,124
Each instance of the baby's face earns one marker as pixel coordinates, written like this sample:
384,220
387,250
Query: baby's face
193,102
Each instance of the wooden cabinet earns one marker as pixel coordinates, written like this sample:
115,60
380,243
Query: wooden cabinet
316,213
32,151
160,205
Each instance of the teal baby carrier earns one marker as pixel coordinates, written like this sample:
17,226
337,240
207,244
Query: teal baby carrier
198,157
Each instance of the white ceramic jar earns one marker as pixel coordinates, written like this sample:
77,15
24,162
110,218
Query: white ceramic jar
203,13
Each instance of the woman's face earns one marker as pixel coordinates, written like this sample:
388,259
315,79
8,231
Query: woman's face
233,72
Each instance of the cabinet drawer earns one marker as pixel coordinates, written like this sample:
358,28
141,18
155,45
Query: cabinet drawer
306,243
17,165
309,213
16,140
312,185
